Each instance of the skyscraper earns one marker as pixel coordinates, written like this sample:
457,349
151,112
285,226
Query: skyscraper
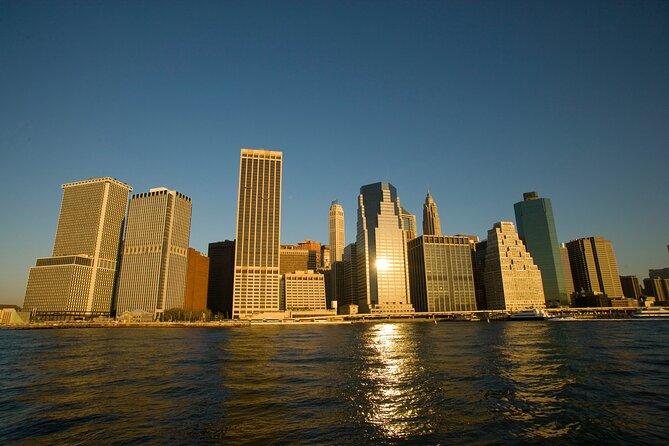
337,238
594,267
536,227
512,279
408,224
221,277
293,258
431,221
631,287
155,252
78,279
256,286
566,269
383,278
440,272
197,281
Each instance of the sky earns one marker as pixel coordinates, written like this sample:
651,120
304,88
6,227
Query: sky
476,101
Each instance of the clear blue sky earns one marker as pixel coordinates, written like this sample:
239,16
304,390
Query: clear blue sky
477,101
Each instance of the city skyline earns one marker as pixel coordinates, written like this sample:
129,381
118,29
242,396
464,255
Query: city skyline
520,110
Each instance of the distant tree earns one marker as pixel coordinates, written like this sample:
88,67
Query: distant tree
180,314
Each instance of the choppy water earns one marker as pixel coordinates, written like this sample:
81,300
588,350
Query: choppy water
514,382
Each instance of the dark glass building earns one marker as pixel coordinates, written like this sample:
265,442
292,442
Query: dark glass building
221,277
536,227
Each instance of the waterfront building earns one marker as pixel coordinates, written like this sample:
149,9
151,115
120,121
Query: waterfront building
408,224
441,274
314,249
478,265
512,279
257,277
78,279
383,278
197,281
293,258
662,273
155,252
631,287
656,287
431,220
336,231
536,228
303,290
347,270
594,267
221,277
566,269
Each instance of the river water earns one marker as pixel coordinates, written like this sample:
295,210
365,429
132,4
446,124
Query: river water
405,383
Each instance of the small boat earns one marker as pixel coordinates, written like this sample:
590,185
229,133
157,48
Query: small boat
652,313
533,314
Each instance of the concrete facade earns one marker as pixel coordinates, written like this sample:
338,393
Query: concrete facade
336,231
512,279
197,281
257,276
303,290
155,252
78,279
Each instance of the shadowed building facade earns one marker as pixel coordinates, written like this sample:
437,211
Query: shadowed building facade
536,227
440,273
594,267
314,249
383,278
631,287
257,277
155,252
512,279
221,277
431,220
293,258
566,269
408,224
78,279
197,280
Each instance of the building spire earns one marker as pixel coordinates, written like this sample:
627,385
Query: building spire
431,221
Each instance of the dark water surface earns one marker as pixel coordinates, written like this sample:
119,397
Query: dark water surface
513,382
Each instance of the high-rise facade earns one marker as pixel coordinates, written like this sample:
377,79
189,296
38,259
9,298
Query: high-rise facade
631,287
293,258
656,287
221,277
303,290
431,220
197,281
256,283
155,252
326,259
536,227
441,274
594,267
347,268
314,249
662,273
336,231
566,269
512,279
478,263
408,224
383,278
78,279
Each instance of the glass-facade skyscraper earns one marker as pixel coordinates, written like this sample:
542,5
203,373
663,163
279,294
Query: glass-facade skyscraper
536,227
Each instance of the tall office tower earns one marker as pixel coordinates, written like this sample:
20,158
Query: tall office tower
408,224
221,277
197,281
478,263
326,259
293,258
383,276
536,227
512,279
440,273
631,287
656,287
78,279
431,221
662,273
257,277
594,267
314,249
303,290
347,293
566,269
155,252
336,232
